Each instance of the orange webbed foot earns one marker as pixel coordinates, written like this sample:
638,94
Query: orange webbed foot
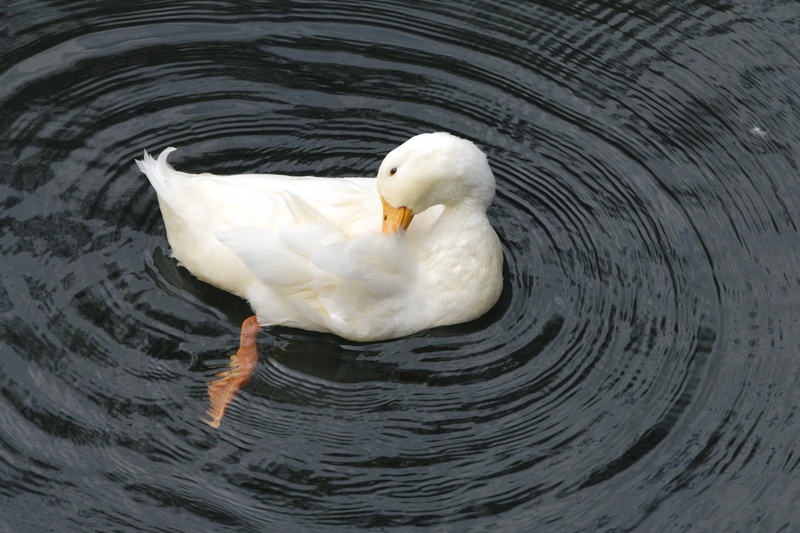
241,368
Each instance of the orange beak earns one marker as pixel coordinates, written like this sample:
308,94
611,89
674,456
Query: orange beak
395,219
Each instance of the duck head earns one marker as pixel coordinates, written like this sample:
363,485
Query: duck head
432,169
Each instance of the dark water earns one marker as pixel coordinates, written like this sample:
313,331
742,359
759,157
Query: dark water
640,373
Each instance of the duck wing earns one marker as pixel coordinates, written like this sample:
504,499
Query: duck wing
315,274
195,207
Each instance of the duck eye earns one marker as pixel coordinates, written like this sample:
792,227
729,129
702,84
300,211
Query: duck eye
393,171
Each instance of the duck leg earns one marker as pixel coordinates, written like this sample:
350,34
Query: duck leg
241,368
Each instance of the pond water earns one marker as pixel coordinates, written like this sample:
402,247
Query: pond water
641,371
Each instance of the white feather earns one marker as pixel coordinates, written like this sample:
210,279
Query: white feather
307,252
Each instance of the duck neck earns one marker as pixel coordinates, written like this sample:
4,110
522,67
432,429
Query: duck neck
457,223
464,214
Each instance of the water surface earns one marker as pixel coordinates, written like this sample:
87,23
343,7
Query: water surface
640,372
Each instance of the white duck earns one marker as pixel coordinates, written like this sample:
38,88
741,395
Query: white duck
306,252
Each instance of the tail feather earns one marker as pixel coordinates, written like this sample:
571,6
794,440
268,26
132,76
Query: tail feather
156,170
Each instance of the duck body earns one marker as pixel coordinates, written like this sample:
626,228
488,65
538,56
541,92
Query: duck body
308,252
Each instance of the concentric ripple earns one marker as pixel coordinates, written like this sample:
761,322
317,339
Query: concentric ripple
639,372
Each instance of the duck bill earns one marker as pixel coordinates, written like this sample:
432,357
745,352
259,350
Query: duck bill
395,219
